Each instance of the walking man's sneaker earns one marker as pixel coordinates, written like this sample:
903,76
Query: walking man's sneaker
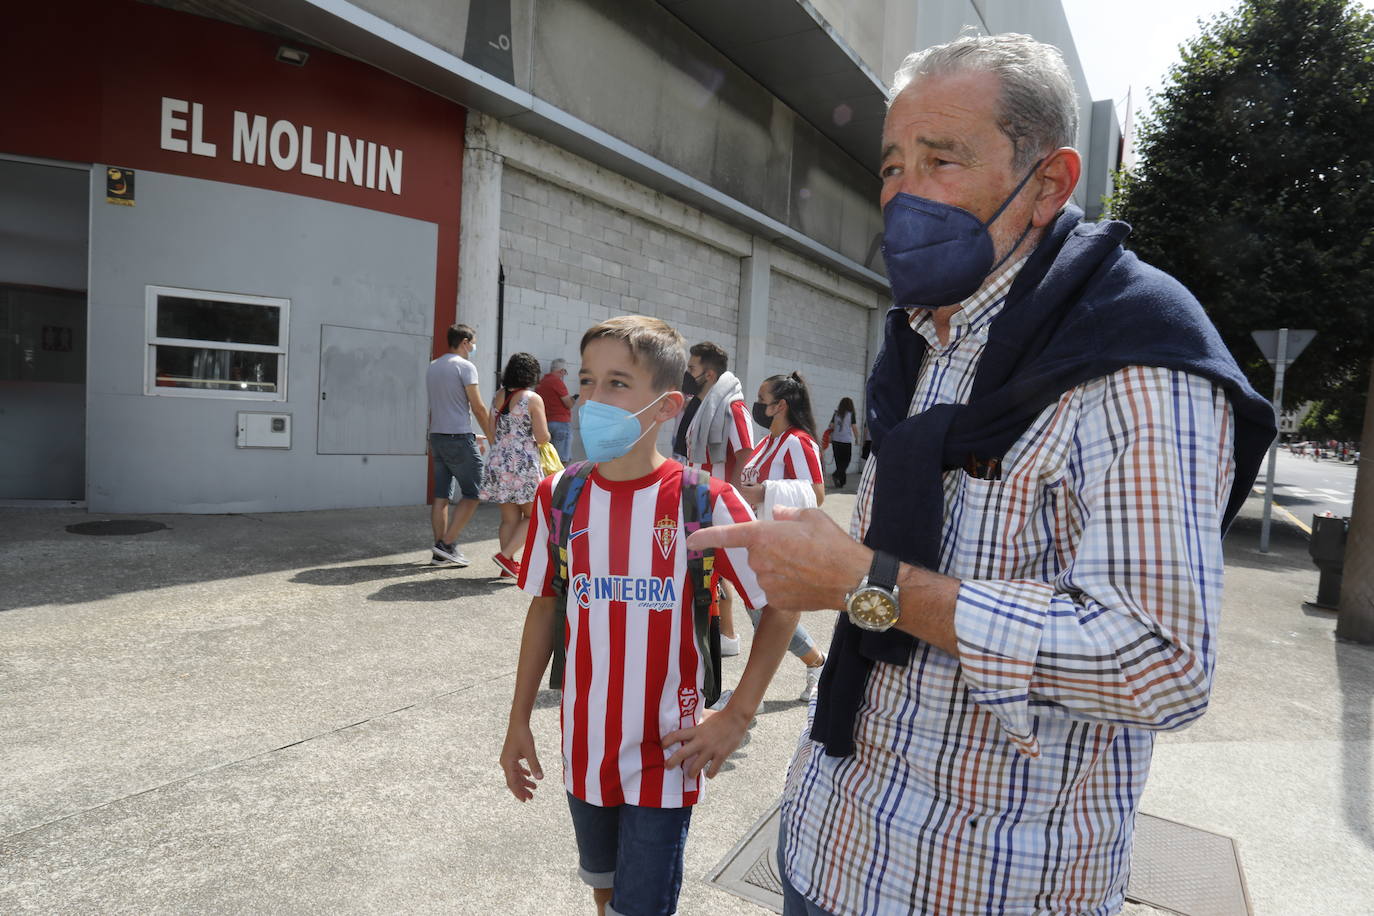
729,645
448,553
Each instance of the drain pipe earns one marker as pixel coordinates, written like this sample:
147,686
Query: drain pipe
500,324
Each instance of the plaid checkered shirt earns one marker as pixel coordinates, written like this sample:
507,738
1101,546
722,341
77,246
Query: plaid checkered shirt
1006,780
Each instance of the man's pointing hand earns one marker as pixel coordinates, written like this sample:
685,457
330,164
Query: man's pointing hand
803,560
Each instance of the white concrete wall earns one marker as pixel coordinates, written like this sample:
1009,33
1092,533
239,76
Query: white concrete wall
572,261
820,335
580,244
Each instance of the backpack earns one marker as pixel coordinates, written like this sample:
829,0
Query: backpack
696,513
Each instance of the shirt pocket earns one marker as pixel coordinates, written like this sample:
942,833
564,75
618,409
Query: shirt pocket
997,528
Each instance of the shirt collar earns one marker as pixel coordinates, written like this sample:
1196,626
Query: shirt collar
975,313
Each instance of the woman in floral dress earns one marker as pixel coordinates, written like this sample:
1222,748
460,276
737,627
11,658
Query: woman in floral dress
513,471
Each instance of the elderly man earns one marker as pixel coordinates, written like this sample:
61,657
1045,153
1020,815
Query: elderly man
557,407
1060,441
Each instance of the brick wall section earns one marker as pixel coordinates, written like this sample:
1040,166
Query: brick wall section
571,261
823,337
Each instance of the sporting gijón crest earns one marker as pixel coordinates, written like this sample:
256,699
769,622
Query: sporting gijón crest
665,535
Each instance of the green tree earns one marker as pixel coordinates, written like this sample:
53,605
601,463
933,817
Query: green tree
1256,188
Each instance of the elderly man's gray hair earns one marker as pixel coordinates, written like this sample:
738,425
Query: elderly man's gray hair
557,364
1039,105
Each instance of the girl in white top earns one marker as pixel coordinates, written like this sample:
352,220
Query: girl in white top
844,432
786,470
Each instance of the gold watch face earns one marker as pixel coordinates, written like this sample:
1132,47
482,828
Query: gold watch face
872,608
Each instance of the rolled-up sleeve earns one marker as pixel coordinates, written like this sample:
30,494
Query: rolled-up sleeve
1122,627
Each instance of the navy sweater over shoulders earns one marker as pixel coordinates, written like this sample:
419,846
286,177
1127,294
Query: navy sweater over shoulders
1081,308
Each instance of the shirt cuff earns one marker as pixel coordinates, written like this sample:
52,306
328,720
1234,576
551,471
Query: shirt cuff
998,625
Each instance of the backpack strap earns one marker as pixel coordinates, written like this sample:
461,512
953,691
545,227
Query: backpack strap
562,506
696,514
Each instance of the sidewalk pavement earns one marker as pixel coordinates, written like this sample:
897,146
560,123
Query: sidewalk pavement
295,713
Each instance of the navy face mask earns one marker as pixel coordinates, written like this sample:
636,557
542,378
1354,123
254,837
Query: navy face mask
939,254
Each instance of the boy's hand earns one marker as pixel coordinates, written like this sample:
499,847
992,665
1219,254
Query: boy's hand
706,746
520,746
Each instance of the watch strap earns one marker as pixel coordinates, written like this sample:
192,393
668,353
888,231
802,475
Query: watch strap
883,571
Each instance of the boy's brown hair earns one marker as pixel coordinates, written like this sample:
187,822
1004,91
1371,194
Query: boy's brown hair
653,343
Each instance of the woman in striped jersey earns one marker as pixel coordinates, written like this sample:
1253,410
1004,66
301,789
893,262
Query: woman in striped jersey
785,470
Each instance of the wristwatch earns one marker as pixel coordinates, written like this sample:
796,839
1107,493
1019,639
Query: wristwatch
874,605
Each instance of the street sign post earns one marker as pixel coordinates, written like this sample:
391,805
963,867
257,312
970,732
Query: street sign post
1280,347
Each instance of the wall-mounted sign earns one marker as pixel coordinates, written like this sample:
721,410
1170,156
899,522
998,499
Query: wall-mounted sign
325,154
119,186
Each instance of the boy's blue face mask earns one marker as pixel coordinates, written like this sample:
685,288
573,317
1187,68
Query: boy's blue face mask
608,431
939,254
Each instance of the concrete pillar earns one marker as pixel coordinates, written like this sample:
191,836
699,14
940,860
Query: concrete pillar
749,362
479,247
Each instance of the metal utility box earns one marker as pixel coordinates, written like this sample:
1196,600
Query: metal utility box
264,430
1327,547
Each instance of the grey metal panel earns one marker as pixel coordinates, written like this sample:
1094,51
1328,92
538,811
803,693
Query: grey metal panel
336,264
372,392
42,441
44,214
43,217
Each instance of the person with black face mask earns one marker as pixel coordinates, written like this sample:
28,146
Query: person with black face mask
1032,581
718,439
684,420
785,470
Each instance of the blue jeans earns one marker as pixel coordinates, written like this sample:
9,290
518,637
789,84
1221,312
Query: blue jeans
637,851
560,434
793,903
456,458
801,645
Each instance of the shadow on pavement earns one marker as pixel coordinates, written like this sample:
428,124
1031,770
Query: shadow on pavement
771,706
205,548
1287,547
1355,670
439,589
352,575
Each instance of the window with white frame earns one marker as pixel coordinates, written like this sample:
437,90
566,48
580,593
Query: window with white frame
222,345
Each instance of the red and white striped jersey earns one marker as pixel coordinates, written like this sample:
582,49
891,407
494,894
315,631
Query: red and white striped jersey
633,672
741,439
792,456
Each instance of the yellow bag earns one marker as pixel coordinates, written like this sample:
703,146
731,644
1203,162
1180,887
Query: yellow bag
549,460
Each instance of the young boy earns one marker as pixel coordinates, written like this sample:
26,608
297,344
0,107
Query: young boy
635,740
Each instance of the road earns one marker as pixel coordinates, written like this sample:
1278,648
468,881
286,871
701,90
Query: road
1305,487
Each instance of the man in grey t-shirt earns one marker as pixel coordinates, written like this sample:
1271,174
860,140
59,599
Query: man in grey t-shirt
454,400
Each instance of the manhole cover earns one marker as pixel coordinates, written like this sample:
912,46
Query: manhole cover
116,526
